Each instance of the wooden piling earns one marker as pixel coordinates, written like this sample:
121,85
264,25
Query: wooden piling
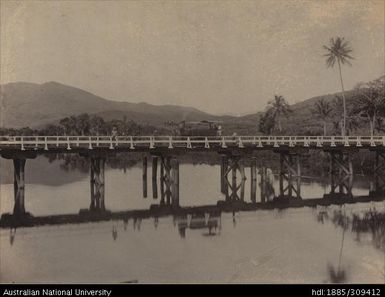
144,168
97,183
298,177
19,186
175,183
102,162
243,180
234,181
376,173
263,184
92,184
289,164
167,180
332,168
224,165
162,198
154,177
253,179
226,183
350,178
340,174
281,176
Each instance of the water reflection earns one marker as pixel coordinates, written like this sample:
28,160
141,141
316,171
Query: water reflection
338,275
210,221
265,246
234,220
125,223
114,232
259,246
365,222
12,234
137,223
371,222
322,216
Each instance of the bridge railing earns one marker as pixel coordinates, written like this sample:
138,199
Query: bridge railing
132,142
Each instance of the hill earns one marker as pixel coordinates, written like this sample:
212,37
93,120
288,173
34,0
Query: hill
34,105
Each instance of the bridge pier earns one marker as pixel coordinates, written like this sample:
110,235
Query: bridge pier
341,174
144,176
175,183
169,182
378,174
19,160
154,177
224,166
97,182
289,176
233,165
253,178
19,186
161,181
167,179
263,185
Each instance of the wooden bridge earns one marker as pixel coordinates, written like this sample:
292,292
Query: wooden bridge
62,143
164,150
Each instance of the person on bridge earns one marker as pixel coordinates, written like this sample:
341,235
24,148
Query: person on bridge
114,132
219,131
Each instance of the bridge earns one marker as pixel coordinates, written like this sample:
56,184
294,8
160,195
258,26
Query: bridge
234,151
62,143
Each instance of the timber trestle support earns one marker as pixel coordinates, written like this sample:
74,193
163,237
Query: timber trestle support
289,175
168,179
341,174
378,188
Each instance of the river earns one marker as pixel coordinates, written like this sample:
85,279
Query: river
264,246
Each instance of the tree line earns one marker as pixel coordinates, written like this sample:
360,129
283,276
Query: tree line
85,124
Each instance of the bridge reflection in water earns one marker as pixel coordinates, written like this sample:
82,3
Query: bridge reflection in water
210,221
239,158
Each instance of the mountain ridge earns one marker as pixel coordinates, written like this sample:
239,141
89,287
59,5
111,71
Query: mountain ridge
25,104
56,101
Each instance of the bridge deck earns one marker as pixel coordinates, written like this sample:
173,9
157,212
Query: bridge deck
67,143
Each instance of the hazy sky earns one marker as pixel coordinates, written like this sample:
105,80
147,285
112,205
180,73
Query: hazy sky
218,56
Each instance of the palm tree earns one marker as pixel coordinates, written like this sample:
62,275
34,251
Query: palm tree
322,110
339,51
352,121
338,107
277,108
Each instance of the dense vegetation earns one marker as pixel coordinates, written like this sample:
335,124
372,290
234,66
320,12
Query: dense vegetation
84,124
365,113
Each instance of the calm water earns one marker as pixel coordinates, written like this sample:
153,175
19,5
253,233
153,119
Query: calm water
290,246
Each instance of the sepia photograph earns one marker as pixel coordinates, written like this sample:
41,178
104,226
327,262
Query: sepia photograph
191,142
